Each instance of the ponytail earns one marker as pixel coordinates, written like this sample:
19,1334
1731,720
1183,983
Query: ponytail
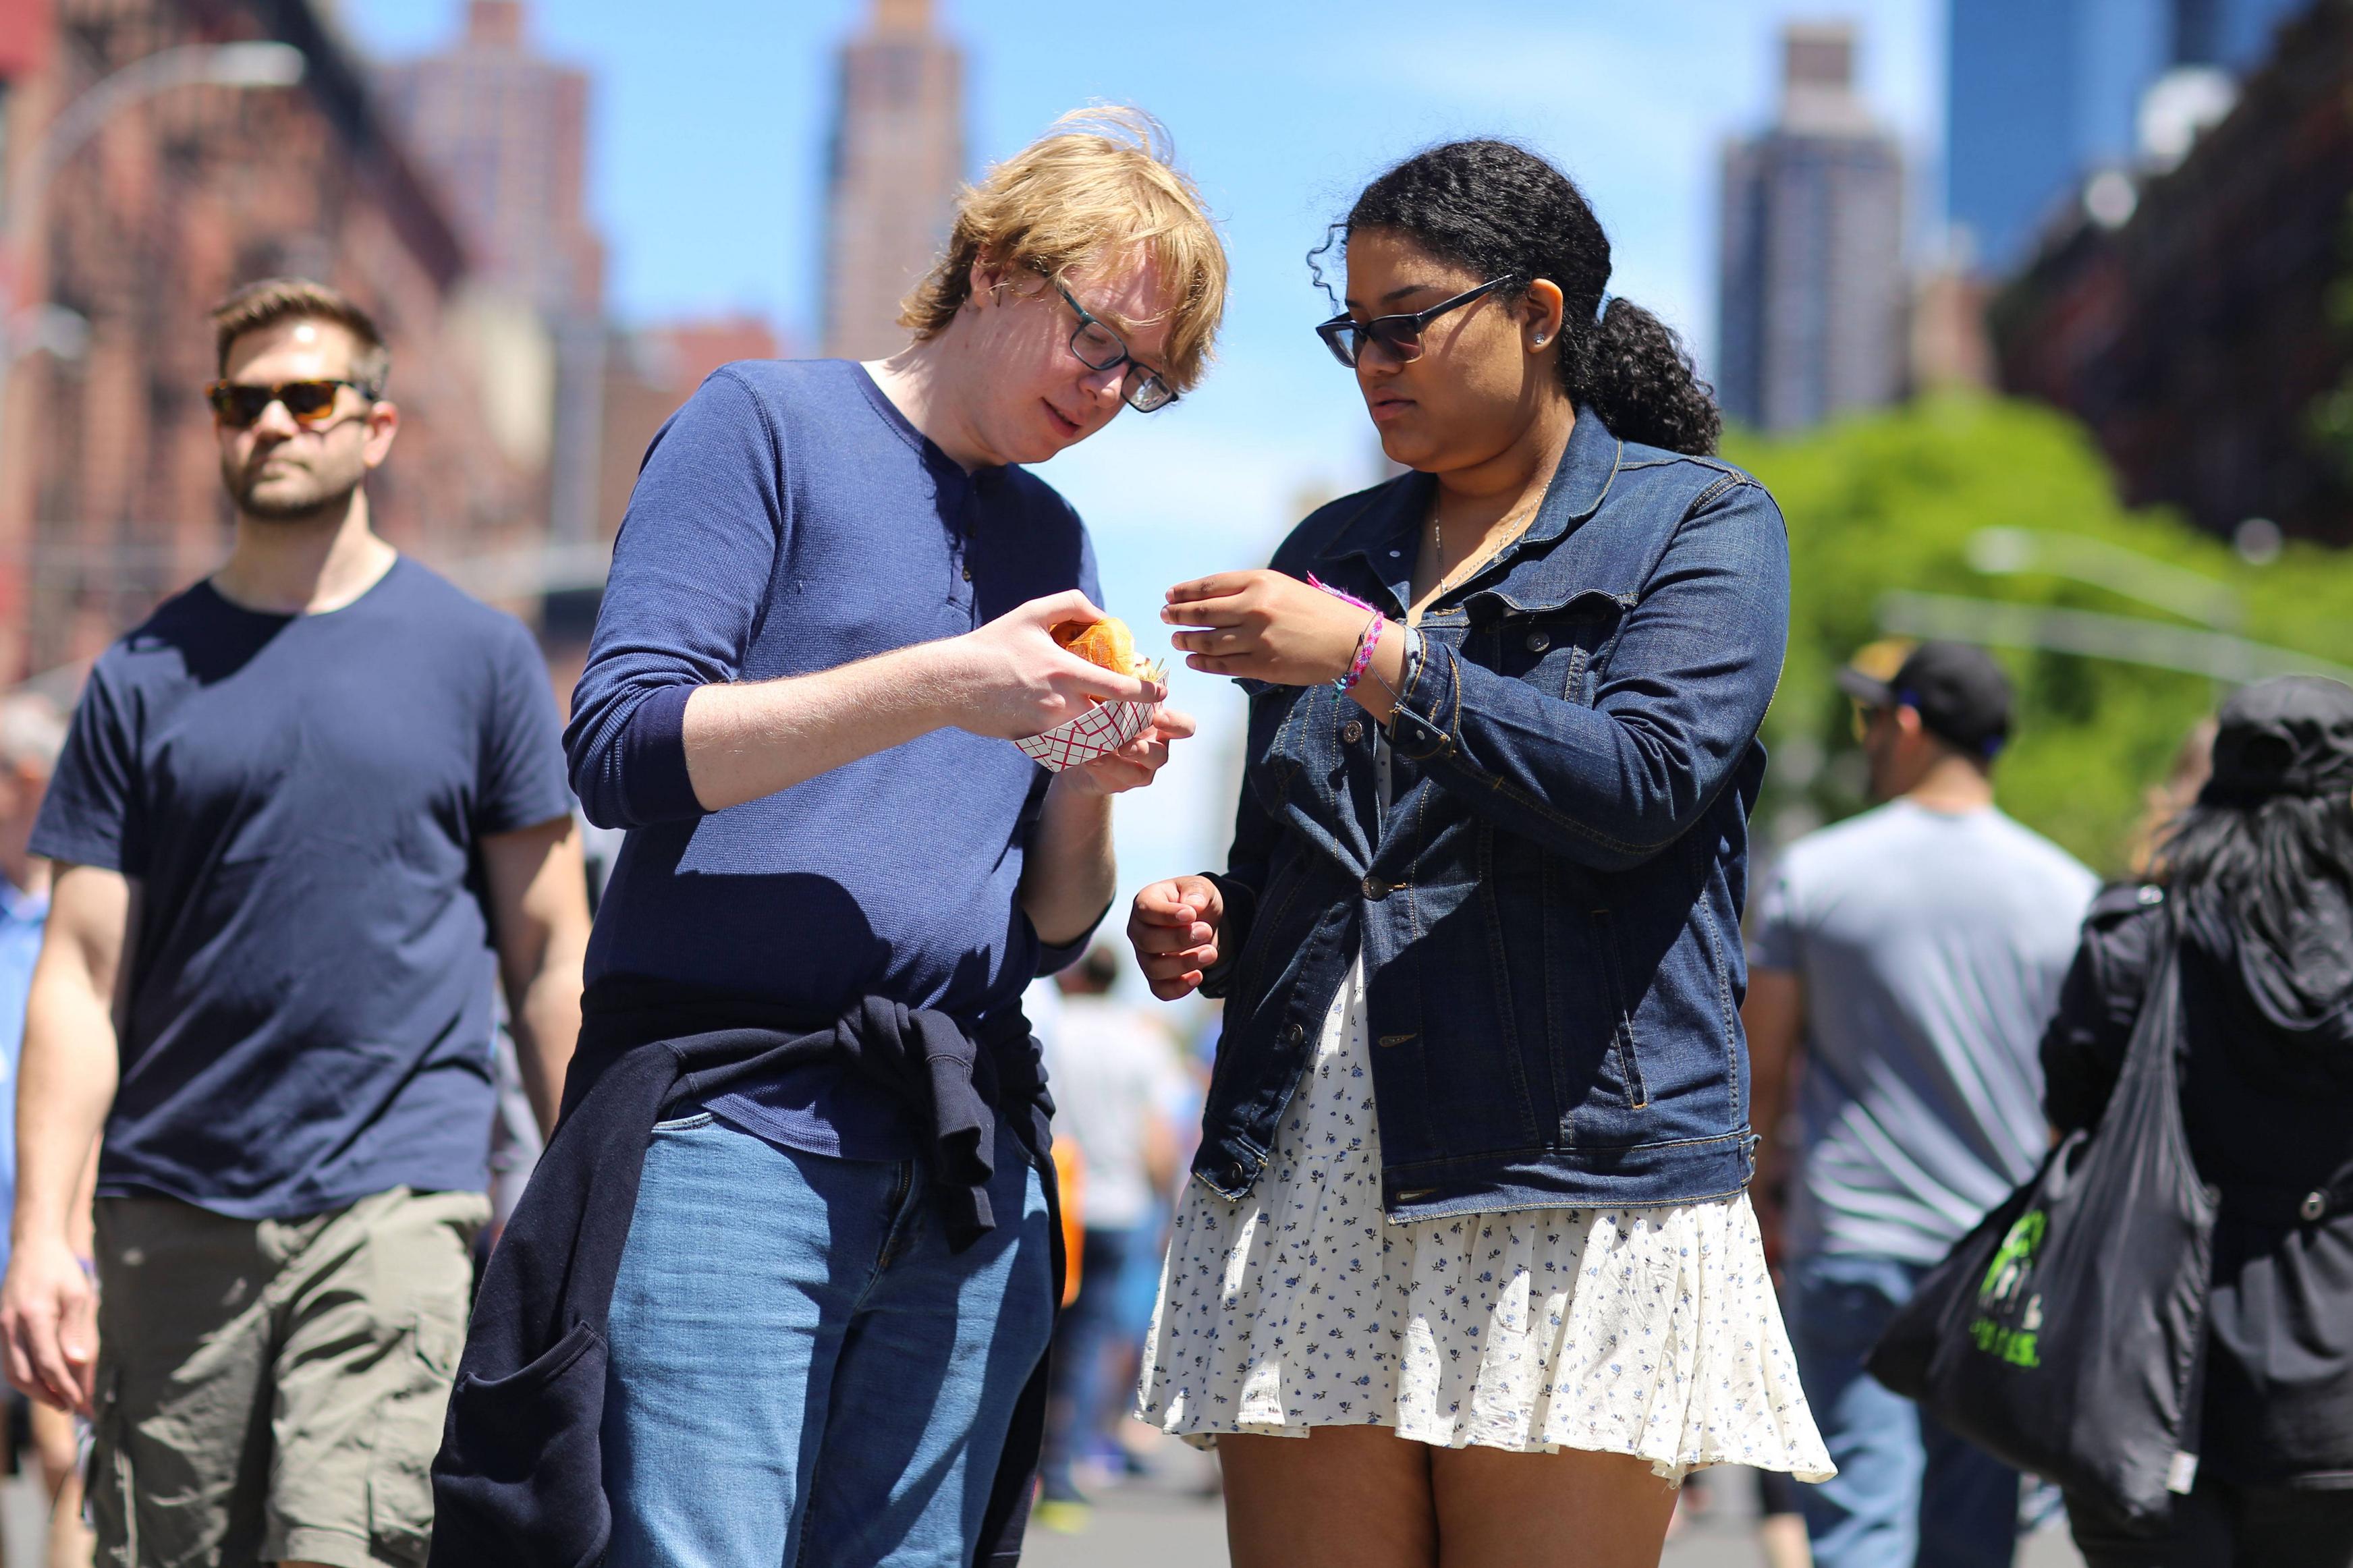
1501,211
1638,378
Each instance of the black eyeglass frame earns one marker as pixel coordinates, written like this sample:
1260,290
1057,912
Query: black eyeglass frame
1400,335
222,394
1133,384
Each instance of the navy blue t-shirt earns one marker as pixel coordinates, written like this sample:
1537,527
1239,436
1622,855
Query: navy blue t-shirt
300,800
791,520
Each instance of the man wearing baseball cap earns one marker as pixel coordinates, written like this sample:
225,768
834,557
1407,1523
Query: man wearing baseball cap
1910,956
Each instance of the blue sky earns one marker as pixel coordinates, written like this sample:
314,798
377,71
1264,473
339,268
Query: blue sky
708,146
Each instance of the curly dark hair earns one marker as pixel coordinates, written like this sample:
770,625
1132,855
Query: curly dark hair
1498,209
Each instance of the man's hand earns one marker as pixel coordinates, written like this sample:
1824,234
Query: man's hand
1267,626
1133,764
49,1322
1174,930
1010,680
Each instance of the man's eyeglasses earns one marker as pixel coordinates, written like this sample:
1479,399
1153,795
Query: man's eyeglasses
1100,348
310,403
1399,336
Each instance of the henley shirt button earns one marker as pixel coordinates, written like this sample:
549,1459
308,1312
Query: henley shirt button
1352,732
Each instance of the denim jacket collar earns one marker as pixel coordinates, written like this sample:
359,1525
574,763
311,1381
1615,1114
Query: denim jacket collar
1387,534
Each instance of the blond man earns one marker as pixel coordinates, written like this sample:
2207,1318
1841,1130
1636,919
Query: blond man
298,811
828,613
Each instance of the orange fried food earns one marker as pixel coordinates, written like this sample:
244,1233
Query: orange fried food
1107,642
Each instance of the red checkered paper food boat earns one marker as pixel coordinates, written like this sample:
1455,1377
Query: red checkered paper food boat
1099,732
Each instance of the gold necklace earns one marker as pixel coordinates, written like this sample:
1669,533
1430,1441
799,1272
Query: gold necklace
1468,568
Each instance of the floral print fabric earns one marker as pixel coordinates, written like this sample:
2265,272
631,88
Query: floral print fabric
1650,1332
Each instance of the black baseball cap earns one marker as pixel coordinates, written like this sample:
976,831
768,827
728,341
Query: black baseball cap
1960,692
2290,735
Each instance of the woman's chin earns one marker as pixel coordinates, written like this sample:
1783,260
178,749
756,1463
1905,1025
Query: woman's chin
1404,448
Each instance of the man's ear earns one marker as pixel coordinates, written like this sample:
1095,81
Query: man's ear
984,282
383,424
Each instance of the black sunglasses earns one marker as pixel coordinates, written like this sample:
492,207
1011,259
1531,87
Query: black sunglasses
310,403
1100,348
1399,336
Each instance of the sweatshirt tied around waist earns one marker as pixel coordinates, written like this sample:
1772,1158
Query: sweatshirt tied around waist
520,1478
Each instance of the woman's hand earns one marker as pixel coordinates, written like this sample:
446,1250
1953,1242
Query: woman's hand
1174,929
1265,626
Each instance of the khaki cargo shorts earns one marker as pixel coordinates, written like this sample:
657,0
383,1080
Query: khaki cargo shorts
272,1390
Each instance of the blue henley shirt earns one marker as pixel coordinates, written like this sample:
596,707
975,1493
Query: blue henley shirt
788,518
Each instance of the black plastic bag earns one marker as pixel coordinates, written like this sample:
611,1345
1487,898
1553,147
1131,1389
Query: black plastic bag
2065,1335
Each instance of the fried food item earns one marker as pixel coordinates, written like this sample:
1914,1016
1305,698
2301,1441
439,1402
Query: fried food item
1107,642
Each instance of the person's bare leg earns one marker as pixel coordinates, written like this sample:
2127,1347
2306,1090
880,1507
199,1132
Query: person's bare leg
1569,1509
1783,1537
1344,1496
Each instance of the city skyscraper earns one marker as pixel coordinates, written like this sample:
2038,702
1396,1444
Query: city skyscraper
1810,285
2042,93
897,160
504,132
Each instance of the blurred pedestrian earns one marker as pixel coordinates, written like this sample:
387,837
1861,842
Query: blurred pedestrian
2255,883
1112,1068
1907,958
829,612
32,733
2163,803
297,810
1467,1272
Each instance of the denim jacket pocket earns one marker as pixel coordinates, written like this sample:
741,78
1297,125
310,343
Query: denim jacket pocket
1553,646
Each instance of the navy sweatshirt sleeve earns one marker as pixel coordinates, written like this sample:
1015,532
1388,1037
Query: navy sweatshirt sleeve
690,576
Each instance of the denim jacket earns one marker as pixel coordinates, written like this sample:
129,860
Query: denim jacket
1549,912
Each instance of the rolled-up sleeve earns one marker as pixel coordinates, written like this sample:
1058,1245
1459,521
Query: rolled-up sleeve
1686,685
691,576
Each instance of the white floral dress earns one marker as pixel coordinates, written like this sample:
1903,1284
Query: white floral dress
1650,1332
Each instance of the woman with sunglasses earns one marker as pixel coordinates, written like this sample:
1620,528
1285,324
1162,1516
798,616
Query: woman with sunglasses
1468,1266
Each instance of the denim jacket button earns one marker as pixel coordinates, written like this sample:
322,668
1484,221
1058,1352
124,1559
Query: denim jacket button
1296,1032
1538,642
1234,1175
1352,732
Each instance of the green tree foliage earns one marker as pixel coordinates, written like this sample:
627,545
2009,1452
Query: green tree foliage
1890,502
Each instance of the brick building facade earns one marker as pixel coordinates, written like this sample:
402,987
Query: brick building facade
2196,339
109,496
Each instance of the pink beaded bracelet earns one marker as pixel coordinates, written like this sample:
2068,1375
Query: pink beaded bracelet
1367,641
1366,644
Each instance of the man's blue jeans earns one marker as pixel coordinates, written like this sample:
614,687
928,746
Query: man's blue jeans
803,1375
1908,1490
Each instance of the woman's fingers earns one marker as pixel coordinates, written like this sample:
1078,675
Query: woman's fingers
1164,904
1230,644
1218,586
